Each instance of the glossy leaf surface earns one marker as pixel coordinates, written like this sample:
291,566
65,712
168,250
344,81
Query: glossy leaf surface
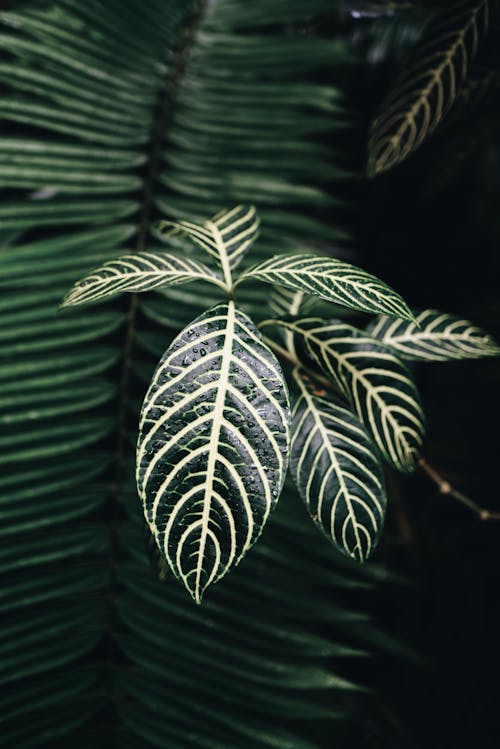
213,444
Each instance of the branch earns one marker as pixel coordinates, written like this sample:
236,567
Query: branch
291,359
446,488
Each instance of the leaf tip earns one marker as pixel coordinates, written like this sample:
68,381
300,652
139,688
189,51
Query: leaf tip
405,313
67,301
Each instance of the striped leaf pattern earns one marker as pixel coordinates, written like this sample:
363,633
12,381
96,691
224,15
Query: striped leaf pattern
429,85
227,236
330,279
85,89
435,336
337,470
283,301
140,272
375,382
213,446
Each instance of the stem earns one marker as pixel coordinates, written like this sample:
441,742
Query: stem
163,120
291,359
159,133
446,488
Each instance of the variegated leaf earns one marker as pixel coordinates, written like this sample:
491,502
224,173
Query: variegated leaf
429,84
140,272
227,236
337,470
331,279
376,383
435,336
213,444
283,301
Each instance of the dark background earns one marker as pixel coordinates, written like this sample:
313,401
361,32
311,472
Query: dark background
431,228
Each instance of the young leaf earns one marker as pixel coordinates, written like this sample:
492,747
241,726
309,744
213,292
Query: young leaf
140,272
428,86
213,443
332,280
435,336
376,383
227,236
337,471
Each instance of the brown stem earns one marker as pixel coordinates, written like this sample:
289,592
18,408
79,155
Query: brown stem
446,488
291,359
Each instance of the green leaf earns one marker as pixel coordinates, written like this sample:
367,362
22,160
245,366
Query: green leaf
331,279
337,470
284,302
140,272
378,386
240,106
227,236
213,443
429,84
434,336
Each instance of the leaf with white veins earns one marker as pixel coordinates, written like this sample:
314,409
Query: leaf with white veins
213,446
227,236
435,336
330,279
337,470
374,381
140,272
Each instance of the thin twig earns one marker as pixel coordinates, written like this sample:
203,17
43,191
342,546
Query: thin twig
446,488
291,359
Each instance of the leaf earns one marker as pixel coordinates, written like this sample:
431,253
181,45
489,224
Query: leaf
330,279
378,386
429,84
227,236
434,336
212,450
140,272
337,470
254,116
284,302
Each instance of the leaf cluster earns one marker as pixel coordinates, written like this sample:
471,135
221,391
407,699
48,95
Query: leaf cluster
216,432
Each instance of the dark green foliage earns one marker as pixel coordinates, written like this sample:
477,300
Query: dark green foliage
114,114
